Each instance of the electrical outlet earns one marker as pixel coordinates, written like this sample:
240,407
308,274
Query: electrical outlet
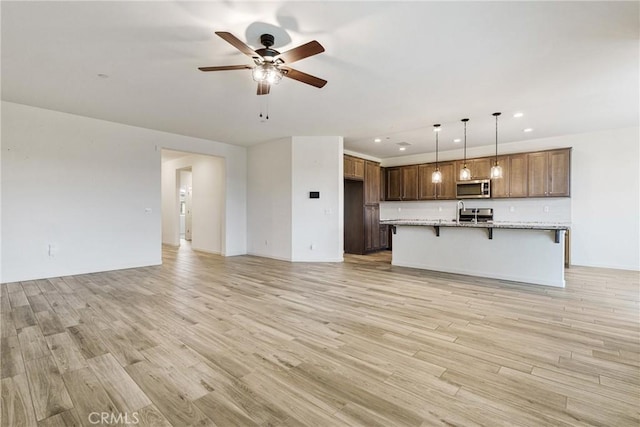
312,246
266,243
512,208
439,208
546,209
399,209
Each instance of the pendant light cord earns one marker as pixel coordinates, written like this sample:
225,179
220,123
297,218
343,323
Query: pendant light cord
465,141
436,150
496,140
496,116
437,131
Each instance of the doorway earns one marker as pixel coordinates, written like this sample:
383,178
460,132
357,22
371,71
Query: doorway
193,200
184,179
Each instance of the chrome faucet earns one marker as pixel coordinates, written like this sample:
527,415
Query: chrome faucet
459,205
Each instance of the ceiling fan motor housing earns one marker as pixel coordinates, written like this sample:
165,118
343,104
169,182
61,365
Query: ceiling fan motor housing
266,52
267,40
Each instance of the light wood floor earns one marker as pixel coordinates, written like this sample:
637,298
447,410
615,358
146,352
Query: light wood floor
247,341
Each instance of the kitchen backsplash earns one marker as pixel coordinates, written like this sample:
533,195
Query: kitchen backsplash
527,210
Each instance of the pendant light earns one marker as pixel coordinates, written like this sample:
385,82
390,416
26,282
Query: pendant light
496,169
465,173
436,176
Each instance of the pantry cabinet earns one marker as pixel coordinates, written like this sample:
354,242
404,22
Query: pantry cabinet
353,167
371,227
362,206
371,182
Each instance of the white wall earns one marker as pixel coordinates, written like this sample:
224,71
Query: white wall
318,223
208,198
269,199
284,222
86,187
83,185
603,209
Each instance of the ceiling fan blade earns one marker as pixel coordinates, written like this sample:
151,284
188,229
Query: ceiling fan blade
303,77
297,53
238,44
225,67
263,88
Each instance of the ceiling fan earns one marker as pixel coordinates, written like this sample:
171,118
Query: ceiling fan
271,65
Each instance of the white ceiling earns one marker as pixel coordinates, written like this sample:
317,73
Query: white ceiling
394,68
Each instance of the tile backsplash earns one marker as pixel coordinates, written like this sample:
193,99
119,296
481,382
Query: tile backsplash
533,210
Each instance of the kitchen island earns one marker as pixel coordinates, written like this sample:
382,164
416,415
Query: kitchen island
529,252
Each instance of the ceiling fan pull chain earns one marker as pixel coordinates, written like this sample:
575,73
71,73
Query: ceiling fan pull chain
267,99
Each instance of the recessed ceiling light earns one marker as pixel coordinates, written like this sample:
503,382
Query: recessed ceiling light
527,130
377,140
457,140
103,76
518,115
402,148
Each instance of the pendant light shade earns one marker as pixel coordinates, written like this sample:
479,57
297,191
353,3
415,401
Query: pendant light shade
436,176
496,169
465,173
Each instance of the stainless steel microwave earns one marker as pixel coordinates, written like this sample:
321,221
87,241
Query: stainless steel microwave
475,189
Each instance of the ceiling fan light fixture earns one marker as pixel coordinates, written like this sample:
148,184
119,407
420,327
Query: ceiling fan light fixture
258,73
267,73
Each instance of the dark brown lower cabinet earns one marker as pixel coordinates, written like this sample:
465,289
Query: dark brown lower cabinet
371,227
384,237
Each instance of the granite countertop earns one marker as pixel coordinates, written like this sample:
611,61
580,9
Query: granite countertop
493,224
